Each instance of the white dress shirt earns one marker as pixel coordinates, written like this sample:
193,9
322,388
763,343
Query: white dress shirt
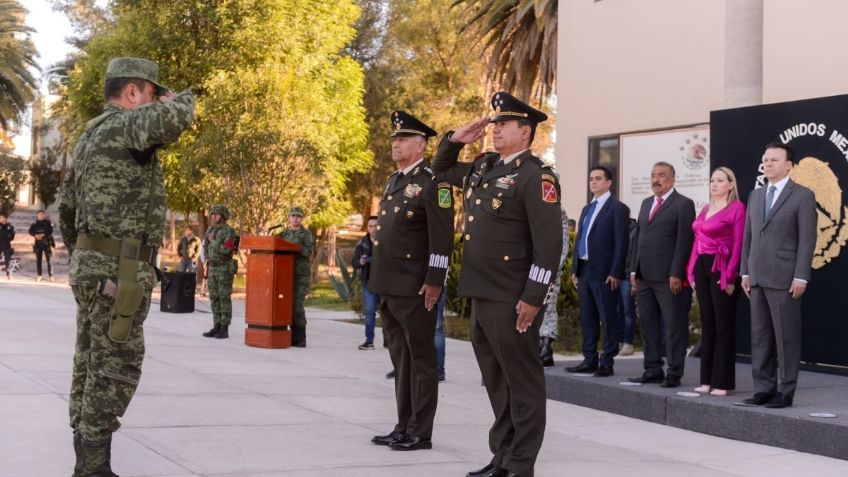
600,204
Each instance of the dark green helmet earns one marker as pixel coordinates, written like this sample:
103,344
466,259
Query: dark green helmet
221,210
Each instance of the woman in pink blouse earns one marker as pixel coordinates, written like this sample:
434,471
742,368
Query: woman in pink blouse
713,271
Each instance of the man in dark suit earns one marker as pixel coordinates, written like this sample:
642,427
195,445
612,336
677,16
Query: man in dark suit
777,258
663,242
511,250
409,266
598,268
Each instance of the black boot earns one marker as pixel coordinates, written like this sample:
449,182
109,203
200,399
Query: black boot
214,331
223,333
546,352
96,459
298,337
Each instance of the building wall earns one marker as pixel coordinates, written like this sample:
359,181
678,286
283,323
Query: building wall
804,44
626,66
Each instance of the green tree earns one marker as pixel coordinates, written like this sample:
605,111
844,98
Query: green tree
425,67
521,37
17,58
12,177
45,173
279,117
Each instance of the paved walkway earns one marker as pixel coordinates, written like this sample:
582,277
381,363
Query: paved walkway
218,408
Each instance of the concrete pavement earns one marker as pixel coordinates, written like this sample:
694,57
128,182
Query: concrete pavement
218,408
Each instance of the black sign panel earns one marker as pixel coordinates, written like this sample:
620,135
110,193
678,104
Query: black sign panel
817,129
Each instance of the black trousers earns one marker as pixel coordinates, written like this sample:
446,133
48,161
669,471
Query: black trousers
657,303
718,326
410,329
598,307
515,382
43,251
7,260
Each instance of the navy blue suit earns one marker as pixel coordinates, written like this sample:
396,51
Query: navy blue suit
607,244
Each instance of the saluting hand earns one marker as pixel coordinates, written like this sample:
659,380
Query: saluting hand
431,295
169,96
471,132
526,314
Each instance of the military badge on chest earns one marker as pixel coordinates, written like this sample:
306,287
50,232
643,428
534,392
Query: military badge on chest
506,182
412,191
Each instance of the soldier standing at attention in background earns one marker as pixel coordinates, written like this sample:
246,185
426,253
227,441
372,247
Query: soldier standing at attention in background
300,235
7,234
219,247
409,268
511,251
111,213
42,230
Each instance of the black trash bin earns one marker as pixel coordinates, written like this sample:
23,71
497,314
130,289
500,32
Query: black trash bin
178,292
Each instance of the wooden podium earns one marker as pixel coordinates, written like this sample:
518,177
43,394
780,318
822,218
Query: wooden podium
270,285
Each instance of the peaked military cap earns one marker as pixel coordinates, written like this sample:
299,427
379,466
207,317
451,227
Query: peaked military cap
221,210
405,124
509,108
296,211
138,68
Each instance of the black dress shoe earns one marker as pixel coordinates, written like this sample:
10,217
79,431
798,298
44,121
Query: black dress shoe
410,443
490,470
388,438
603,371
670,382
391,374
583,367
647,379
759,399
779,401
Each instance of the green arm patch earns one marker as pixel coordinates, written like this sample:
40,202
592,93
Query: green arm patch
445,197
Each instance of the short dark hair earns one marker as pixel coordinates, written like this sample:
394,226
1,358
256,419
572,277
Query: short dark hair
371,217
40,211
790,154
188,227
607,172
665,164
526,122
114,86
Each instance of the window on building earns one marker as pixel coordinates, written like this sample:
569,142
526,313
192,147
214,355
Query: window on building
604,151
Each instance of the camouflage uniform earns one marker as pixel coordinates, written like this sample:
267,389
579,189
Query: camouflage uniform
302,272
114,192
549,331
218,248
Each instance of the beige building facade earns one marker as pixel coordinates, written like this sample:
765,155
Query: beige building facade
637,65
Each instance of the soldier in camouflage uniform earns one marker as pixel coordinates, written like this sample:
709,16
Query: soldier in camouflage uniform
219,247
549,332
299,234
111,212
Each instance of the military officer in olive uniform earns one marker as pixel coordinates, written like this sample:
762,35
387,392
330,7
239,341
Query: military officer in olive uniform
111,212
299,234
219,248
511,250
409,266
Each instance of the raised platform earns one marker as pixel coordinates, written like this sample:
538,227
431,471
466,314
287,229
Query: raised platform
791,428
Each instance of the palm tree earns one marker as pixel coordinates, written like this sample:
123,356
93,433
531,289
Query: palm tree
521,36
17,56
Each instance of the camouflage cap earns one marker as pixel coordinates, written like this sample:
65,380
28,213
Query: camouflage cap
221,210
296,210
135,68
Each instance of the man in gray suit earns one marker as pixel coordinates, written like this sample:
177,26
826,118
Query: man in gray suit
777,258
663,241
